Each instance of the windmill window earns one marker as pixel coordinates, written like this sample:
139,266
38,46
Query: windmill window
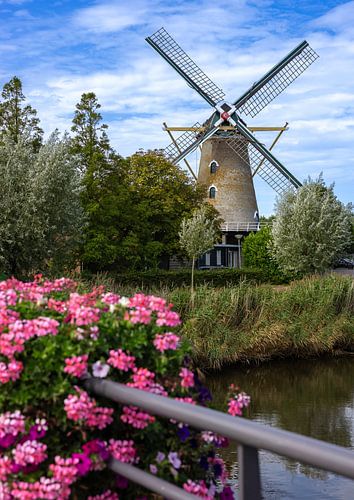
213,167
212,193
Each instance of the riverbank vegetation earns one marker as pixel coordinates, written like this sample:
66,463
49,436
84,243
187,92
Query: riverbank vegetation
250,322
247,323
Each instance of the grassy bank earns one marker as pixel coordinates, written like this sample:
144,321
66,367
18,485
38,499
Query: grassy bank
250,322
254,323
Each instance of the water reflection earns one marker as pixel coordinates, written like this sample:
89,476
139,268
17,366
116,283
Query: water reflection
311,397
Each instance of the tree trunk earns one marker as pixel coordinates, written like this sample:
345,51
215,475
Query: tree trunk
192,284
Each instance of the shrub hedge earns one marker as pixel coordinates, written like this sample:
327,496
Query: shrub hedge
214,277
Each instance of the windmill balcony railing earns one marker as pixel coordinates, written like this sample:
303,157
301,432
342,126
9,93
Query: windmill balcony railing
250,436
243,226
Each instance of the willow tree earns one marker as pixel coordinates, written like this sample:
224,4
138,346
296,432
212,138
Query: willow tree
311,229
40,212
197,235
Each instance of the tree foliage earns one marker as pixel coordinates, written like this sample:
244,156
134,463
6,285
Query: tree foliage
257,252
16,119
197,235
90,141
135,208
40,212
312,228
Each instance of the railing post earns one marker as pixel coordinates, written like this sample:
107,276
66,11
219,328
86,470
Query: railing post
249,478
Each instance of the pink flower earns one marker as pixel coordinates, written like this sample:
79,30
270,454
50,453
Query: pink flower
165,341
197,488
76,365
142,378
187,377
167,318
136,418
235,405
85,315
12,423
140,315
5,468
124,451
120,360
29,453
110,298
64,469
81,407
10,371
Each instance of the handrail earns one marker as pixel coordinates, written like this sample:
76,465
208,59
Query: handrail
251,436
244,226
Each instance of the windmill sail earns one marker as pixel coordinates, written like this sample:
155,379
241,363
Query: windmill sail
276,80
187,143
262,161
169,49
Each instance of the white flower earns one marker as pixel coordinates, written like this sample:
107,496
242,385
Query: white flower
124,301
100,370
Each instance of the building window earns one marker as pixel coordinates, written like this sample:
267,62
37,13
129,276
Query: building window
212,193
207,259
213,167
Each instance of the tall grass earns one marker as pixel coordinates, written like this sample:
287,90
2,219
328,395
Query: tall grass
309,317
248,322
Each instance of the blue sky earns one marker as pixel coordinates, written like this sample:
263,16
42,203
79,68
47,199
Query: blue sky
61,49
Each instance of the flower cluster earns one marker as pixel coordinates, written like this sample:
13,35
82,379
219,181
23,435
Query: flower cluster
77,365
166,341
80,407
57,448
237,402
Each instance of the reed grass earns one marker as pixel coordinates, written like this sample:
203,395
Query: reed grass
249,322
254,323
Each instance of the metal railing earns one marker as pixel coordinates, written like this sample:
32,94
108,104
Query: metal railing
250,436
241,226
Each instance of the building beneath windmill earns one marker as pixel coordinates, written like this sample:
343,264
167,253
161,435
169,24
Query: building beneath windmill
230,153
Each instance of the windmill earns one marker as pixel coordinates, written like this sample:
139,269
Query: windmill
230,153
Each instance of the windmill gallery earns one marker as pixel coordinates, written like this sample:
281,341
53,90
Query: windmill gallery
230,154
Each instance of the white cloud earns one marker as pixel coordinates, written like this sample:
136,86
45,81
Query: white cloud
110,17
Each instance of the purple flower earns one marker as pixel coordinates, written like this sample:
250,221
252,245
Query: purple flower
84,464
121,482
183,433
153,469
227,494
7,441
203,462
96,447
174,460
100,370
160,456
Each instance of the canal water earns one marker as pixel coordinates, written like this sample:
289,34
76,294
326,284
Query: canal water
311,397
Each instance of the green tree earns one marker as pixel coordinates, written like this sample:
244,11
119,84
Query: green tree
312,228
197,235
40,212
257,252
90,141
16,119
163,196
105,195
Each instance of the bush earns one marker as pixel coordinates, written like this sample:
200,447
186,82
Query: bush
257,254
173,279
54,437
